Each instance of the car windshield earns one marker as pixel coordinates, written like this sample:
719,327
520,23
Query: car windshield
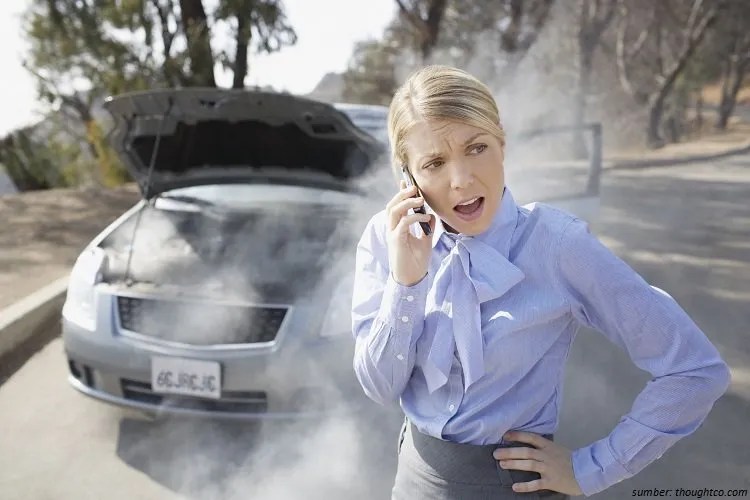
372,119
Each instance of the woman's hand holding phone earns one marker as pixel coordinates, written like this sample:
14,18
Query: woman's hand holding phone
408,255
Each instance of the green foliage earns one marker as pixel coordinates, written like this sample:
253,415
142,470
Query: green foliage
111,170
80,46
30,163
370,77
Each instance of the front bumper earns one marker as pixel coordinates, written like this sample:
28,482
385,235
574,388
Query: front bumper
294,379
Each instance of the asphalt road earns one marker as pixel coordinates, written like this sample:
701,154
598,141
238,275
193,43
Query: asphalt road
685,228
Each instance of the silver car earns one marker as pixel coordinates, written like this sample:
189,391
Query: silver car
226,290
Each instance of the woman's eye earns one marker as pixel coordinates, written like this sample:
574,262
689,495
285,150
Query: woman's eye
433,164
478,148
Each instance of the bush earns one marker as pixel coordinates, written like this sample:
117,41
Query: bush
29,163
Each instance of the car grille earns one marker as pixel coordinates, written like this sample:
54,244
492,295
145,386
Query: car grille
230,401
198,323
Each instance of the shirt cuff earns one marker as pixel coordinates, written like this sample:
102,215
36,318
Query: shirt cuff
402,310
403,306
595,467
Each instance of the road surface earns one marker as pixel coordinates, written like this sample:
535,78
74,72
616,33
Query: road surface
685,228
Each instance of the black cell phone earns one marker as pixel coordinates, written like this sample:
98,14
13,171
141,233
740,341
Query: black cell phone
420,210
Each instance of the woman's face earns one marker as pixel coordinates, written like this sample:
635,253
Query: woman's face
455,163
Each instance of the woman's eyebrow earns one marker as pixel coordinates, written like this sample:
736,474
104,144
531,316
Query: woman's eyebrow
473,137
427,156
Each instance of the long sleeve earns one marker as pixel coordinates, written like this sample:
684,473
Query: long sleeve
688,373
387,319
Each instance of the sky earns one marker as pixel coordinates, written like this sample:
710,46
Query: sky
327,31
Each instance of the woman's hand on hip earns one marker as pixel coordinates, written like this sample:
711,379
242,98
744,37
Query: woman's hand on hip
552,461
408,255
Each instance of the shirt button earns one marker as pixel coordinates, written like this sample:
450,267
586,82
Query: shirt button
452,407
400,357
410,298
405,319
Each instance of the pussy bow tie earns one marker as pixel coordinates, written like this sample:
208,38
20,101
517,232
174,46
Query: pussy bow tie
471,274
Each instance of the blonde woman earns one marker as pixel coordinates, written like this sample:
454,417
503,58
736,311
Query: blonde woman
469,328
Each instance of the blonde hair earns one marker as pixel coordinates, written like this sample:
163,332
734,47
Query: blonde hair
440,92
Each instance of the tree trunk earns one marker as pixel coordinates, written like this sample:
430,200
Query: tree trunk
244,34
427,30
730,88
197,33
83,112
170,68
699,113
655,112
586,55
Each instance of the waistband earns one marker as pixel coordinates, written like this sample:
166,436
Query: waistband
458,462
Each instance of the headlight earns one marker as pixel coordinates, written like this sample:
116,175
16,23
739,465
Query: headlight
80,302
338,319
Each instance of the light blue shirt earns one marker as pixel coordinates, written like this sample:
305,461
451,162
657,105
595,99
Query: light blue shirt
552,275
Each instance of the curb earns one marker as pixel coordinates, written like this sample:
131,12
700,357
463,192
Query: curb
23,319
666,162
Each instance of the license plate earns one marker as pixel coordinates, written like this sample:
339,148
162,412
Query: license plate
188,377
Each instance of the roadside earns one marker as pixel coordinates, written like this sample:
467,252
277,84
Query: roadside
42,234
713,145
44,231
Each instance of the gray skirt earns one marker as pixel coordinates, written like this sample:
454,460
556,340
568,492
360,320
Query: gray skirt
441,470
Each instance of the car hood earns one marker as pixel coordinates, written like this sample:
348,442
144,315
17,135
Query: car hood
203,136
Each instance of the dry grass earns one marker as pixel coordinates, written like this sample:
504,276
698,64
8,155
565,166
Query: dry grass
712,94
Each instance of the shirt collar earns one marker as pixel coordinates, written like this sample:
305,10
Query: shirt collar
501,229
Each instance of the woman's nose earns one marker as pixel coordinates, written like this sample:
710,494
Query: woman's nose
461,176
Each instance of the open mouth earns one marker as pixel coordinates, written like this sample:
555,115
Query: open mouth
471,209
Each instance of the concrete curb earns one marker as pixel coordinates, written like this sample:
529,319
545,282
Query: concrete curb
666,162
20,321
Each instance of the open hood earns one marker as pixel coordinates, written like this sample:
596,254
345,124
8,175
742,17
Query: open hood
211,135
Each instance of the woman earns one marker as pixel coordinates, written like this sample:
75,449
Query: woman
470,327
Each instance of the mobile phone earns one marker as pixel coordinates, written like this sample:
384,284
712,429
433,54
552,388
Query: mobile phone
420,210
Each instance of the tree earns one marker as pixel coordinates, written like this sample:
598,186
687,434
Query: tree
424,16
445,32
650,63
520,26
594,17
733,33
198,36
260,20
455,27
76,59
29,163
370,77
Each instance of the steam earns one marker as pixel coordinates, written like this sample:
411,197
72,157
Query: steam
272,257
